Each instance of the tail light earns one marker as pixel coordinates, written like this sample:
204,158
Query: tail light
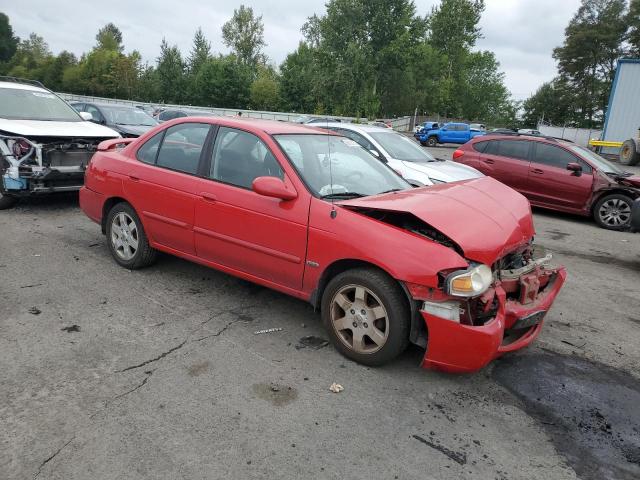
457,154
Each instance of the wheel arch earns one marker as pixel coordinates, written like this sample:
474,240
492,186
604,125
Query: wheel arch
106,208
417,332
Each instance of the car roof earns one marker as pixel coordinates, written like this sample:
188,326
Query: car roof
270,127
23,86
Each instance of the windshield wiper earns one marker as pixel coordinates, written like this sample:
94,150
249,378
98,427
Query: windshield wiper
343,195
391,191
619,174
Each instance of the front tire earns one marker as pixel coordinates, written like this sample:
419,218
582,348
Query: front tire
366,316
432,142
127,239
613,212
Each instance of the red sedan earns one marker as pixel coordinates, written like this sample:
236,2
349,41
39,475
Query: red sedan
556,174
312,214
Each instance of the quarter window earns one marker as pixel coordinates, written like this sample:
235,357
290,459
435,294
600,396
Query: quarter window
147,153
182,146
553,156
240,157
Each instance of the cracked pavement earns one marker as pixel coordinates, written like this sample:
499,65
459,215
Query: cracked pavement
165,378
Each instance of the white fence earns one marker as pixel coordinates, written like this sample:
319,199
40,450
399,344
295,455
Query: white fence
579,136
401,124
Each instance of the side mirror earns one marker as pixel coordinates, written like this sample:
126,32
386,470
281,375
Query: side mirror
86,116
273,187
576,168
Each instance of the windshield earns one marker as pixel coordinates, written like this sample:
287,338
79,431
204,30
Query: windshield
597,161
21,104
338,166
127,116
400,147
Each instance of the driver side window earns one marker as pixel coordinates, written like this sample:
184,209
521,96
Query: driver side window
240,157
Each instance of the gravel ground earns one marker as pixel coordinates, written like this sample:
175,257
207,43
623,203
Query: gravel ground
158,374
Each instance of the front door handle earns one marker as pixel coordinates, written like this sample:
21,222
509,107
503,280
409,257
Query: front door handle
133,178
209,197
489,161
538,171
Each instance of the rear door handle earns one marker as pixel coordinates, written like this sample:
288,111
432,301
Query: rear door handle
134,179
209,197
538,171
489,161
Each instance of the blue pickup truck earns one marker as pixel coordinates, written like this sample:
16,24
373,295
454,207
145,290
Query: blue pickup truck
449,133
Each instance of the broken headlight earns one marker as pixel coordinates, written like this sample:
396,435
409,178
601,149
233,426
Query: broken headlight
469,283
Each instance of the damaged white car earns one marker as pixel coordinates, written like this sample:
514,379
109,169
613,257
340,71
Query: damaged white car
45,145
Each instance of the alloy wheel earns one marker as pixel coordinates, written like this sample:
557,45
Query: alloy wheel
124,236
615,213
360,319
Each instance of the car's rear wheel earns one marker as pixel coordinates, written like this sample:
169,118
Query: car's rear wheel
432,141
127,240
7,201
613,212
366,316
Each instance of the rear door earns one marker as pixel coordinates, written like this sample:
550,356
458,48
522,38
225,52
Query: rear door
551,184
160,184
507,161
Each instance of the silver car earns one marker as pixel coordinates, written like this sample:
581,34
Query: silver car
414,163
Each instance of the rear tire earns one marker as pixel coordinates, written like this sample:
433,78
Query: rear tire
7,201
127,239
629,154
366,315
432,142
613,212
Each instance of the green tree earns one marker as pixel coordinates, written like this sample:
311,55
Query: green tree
109,37
552,103
587,59
223,82
244,34
52,73
8,41
31,54
170,73
633,20
298,85
265,90
200,52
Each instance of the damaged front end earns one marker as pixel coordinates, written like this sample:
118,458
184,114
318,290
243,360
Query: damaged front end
466,333
44,164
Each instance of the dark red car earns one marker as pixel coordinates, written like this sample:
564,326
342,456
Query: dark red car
556,174
312,214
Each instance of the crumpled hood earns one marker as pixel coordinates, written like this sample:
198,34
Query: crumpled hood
446,171
484,217
40,128
633,180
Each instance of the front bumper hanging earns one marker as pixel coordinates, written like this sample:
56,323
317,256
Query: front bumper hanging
456,347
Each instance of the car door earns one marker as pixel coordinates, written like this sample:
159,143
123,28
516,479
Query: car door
95,113
160,185
242,230
446,133
551,184
507,161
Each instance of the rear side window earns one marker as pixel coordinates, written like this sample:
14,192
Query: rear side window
480,146
182,146
149,151
515,149
553,156
492,147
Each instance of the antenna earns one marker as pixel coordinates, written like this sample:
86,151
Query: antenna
333,206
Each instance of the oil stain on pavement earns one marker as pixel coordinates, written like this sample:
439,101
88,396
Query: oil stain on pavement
278,395
590,411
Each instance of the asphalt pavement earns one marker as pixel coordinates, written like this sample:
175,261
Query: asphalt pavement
158,374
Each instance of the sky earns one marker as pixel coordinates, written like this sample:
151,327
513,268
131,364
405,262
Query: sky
522,33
